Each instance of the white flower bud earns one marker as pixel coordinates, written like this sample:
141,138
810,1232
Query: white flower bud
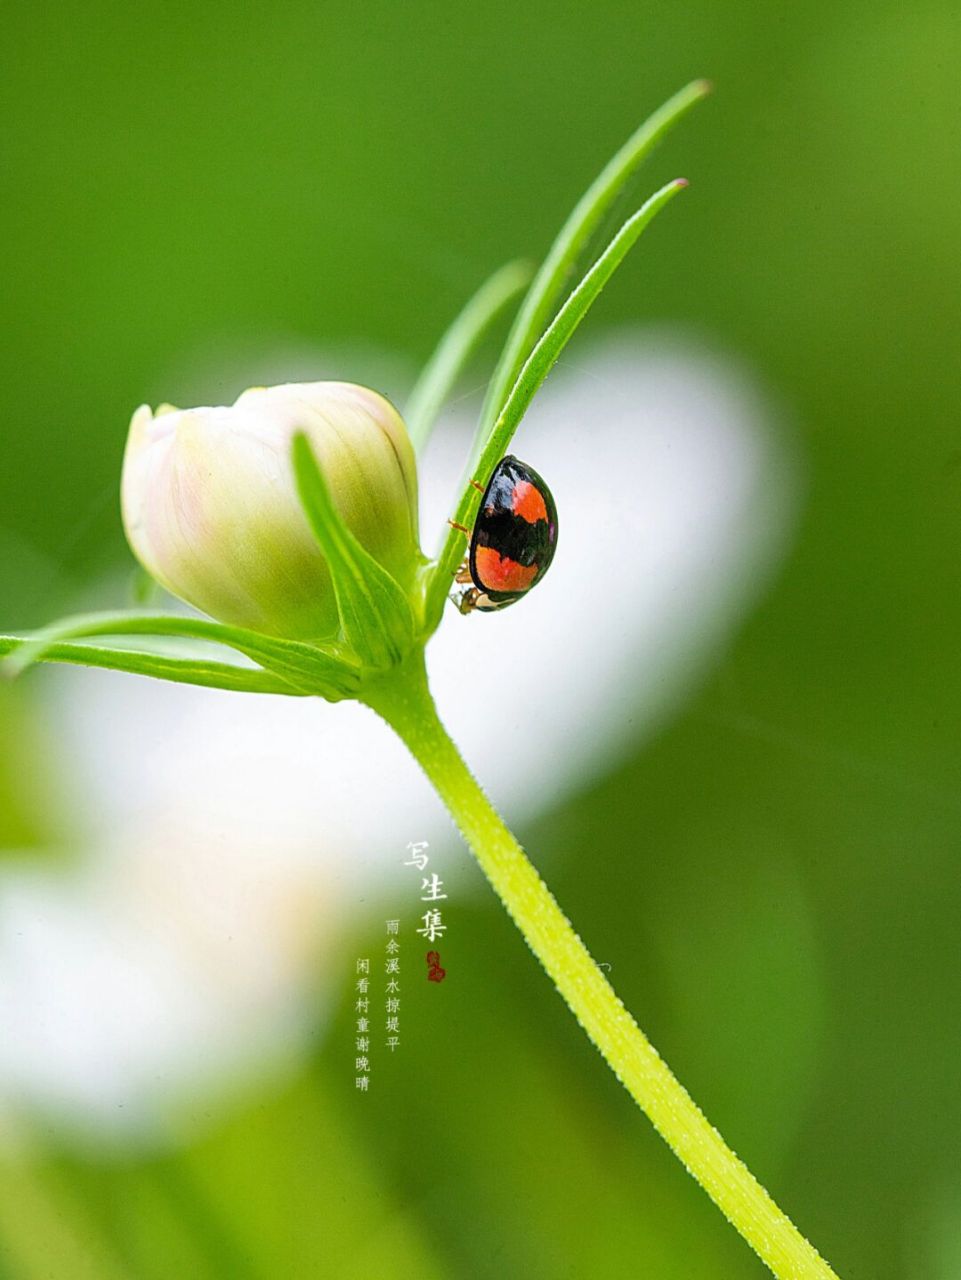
211,509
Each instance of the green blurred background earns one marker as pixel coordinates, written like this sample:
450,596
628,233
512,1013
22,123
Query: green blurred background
189,178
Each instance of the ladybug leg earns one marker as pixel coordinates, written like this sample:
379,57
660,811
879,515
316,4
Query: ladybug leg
454,525
467,601
478,487
463,573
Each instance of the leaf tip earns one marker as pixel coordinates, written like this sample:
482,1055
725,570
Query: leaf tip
704,86
306,470
680,183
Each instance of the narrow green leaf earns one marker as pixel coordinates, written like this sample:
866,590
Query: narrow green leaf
308,668
210,675
545,354
458,345
375,615
553,278
533,373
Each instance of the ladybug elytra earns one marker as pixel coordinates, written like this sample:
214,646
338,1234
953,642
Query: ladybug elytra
513,540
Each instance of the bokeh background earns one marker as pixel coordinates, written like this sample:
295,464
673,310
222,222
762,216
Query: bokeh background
773,873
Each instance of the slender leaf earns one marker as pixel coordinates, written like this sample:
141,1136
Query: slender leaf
210,675
545,354
533,373
458,345
308,668
553,278
375,615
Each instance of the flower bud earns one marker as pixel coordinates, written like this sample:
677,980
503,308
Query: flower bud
211,509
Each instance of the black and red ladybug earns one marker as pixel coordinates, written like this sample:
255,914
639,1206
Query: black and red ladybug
513,540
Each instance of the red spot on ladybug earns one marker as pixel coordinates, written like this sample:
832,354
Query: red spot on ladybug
495,572
528,502
513,540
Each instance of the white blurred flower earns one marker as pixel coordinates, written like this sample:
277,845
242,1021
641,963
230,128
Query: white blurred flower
230,843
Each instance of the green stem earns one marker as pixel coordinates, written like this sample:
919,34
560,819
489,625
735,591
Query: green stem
404,701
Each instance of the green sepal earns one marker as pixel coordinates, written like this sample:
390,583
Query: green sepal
160,666
375,614
307,668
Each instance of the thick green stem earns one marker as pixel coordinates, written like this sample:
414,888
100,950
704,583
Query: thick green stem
405,702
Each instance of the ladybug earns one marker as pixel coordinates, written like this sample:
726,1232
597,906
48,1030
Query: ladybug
513,540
